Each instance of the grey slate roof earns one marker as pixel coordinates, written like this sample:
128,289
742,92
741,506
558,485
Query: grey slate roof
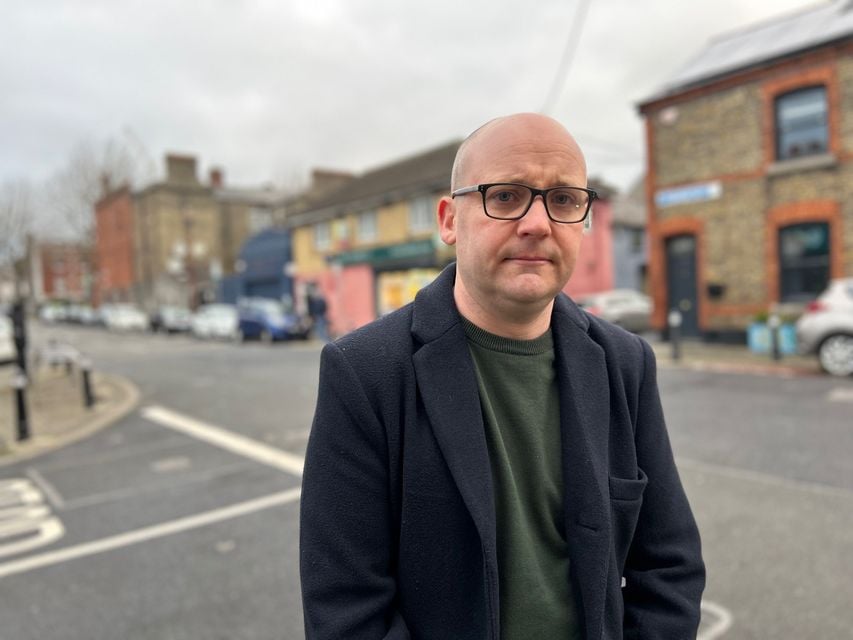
776,38
421,173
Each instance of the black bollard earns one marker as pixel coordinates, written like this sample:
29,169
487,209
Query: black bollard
773,323
86,370
19,382
674,320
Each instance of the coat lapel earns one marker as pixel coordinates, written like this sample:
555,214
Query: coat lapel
448,387
585,424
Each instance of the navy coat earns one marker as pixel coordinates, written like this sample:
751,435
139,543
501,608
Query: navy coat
397,534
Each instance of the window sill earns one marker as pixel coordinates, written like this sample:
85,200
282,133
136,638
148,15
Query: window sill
797,165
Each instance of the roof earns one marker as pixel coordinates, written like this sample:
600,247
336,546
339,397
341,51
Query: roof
763,42
629,209
423,172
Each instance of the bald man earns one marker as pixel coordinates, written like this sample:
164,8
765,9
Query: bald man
491,462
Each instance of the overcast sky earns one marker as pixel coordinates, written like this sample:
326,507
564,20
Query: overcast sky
269,89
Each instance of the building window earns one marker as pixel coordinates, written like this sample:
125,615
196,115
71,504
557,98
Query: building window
367,226
421,215
801,123
803,261
322,237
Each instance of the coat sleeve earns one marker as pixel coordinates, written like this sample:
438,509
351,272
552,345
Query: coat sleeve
346,529
664,573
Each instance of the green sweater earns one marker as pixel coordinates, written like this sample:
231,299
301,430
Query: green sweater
521,412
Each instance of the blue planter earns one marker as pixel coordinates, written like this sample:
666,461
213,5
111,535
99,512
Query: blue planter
758,338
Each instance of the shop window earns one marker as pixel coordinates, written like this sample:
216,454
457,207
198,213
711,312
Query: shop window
367,226
421,215
801,123
803,261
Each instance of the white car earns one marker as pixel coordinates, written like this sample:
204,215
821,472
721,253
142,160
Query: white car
8,353
216,321
826,328
627,308
125,317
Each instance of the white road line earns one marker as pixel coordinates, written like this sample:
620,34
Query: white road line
145,534
840,394
225,439
720,626
48,489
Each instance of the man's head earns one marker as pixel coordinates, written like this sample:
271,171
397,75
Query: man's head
510,270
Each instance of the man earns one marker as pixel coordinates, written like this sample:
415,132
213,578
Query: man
490,461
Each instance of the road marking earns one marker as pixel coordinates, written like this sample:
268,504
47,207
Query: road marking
49,490
840,394
171,465
24,518
225,439
148,533
718,627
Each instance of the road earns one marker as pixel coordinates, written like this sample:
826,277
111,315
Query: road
181,521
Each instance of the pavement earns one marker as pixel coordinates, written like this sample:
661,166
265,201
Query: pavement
56,412
57,415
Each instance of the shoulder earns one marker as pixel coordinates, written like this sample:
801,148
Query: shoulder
377,349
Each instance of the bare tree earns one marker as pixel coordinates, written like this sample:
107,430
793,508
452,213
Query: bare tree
90,172
16,209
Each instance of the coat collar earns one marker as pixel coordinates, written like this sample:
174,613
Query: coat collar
448,386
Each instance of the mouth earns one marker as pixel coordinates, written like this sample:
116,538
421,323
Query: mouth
529,259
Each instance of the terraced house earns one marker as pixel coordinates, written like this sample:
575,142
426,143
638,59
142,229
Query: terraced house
372,243
749,182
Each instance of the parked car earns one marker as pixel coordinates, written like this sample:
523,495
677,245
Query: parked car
826,328
267,320
216,321
8,352
171,319
629,309
125,317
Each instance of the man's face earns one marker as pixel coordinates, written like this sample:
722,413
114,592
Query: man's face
514,266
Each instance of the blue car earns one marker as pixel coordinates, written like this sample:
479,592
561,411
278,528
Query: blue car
267,320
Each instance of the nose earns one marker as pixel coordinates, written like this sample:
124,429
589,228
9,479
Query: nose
536,221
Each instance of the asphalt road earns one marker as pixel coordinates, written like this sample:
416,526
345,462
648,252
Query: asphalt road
181,521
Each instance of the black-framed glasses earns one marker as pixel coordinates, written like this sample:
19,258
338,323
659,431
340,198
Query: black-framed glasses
511,201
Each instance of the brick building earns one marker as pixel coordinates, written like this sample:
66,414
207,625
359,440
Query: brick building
114,237
749,184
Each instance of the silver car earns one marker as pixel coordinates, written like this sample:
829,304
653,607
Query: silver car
826,328
629,309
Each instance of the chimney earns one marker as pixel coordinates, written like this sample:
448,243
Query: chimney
105,184
181,169
217,178
322,179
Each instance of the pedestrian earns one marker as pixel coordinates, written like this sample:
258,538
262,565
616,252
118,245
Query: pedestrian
491,461
317,310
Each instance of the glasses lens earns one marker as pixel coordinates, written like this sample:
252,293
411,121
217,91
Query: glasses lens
568,204
506,200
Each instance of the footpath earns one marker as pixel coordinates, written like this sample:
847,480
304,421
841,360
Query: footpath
56,410
57,414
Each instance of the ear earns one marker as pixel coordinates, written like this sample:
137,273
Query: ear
447,220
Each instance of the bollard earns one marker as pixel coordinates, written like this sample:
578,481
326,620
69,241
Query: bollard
773,323
86,370
19,383
674,320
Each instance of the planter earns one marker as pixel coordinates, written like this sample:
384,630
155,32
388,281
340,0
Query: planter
758,338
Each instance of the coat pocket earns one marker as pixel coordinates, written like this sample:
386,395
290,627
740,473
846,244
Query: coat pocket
626,499
628,489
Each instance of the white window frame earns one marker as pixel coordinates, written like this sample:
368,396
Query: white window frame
421,215
368,226
322,236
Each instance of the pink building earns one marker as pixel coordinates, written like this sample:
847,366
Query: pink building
594,268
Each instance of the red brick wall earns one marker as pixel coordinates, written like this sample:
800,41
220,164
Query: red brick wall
114,246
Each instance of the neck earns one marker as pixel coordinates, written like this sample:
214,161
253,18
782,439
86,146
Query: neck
515,322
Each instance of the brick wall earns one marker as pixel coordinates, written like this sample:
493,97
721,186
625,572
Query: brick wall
725,132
